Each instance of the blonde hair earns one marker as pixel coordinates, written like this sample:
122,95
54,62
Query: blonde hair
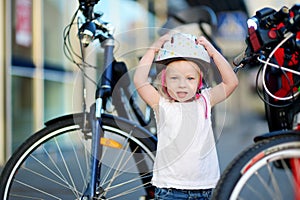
158,85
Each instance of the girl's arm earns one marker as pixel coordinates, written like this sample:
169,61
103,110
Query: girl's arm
229,79
147,92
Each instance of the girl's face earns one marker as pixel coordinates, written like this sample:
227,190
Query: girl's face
182,80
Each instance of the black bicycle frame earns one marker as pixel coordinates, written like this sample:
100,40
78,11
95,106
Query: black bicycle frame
102,93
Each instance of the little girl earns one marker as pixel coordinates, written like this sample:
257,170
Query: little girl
186,164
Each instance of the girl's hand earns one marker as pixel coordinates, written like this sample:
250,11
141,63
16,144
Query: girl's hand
211,50
159,43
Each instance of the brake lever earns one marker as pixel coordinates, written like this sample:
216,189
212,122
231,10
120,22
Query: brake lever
239,61
237,68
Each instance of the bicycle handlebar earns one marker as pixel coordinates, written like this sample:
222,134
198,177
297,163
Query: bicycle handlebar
273,42
94,28
87,8
267,29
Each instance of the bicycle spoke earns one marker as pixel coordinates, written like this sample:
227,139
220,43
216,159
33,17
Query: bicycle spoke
287,171
117,158
65,164
265,185
38,190
254,192
114,176
24,197
120,167
121,170
78,162
66,167
68,186
274,182
132,190
132,180
127,182
60,177
106,176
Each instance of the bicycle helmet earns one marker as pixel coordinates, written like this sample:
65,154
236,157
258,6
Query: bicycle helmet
182,47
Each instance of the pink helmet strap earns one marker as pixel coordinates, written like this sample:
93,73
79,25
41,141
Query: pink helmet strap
198,95
200,82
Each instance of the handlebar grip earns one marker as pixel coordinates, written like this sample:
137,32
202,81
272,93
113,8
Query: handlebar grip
239,59
296,10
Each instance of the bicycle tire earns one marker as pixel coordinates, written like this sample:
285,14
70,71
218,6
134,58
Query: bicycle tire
261,172
54,162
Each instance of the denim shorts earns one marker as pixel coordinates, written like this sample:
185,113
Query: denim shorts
171,194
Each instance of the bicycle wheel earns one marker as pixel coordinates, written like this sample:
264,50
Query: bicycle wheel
263,171
54,162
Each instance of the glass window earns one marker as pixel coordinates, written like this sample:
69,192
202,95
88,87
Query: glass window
22,109
59,97
22,33
53,34
22,71
58,72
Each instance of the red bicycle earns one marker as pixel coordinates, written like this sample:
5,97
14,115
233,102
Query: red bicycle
270,168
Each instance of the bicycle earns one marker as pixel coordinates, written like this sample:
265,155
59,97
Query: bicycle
93,154
270,168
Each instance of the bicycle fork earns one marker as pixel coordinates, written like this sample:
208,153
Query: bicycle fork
93,188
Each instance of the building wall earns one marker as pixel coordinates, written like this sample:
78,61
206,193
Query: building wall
2,83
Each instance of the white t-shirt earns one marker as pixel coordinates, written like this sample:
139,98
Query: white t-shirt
186,156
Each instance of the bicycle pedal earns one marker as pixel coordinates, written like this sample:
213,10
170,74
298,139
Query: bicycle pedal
108,142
